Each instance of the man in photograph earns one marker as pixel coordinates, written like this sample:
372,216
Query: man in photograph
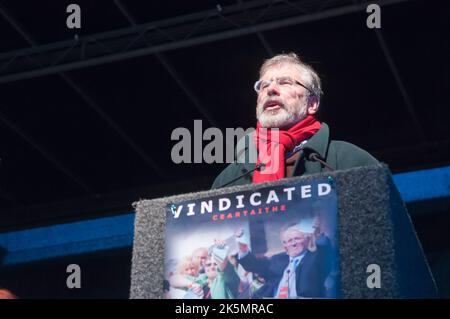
298,272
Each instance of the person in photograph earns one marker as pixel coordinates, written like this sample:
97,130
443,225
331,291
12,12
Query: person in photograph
298,272
200,255
331,264
188,278
223,281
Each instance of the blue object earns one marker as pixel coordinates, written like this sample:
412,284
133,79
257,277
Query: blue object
106,233
424,184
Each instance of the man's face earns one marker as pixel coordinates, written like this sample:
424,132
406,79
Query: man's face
200,256
210,268
294,242
282,106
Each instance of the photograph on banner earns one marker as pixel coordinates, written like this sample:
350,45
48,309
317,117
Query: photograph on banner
273,242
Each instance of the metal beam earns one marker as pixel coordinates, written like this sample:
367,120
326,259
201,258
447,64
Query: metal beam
170,34
16,129
173,73
17,26
125,12
265,43
21,30
152,164
183,86
260,35
401,86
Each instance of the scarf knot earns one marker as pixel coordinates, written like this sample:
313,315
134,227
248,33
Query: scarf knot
272,146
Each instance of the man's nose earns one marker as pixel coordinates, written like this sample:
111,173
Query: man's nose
273,89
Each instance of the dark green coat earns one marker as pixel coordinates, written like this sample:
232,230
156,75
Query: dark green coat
338,154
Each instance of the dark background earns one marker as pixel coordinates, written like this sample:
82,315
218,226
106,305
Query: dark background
88,141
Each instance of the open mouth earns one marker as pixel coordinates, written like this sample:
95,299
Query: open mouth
272,105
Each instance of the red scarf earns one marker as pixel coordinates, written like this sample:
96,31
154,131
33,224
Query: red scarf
273,157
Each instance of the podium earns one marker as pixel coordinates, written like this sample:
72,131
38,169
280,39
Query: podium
373,228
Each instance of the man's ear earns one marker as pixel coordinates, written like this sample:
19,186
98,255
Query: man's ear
313,105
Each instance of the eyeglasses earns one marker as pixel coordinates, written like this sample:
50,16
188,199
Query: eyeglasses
283,81
210,264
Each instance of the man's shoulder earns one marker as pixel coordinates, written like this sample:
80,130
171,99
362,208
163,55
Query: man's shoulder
348,155
245,160
280,257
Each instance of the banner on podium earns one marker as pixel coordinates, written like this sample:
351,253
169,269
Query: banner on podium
273,242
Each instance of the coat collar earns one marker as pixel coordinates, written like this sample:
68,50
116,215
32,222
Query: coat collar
318,143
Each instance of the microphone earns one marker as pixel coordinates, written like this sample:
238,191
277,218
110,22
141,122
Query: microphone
257,167
316,158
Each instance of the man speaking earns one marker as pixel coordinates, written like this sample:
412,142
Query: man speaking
288,98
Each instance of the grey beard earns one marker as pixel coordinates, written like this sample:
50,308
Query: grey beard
283,120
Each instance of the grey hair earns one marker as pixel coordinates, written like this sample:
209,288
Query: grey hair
291,58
